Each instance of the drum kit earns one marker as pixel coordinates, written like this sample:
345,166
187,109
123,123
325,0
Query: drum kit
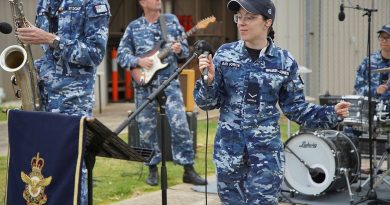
320,161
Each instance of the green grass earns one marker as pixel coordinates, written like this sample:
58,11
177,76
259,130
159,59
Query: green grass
3,116
116,180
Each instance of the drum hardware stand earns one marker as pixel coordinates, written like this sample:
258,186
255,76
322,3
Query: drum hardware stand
385,156
374,164
346,174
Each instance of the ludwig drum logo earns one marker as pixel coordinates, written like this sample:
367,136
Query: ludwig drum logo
34,193
308,145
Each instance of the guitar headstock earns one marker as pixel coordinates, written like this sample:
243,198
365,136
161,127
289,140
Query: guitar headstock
205,22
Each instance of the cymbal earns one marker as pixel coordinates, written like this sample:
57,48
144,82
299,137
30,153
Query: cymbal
382,70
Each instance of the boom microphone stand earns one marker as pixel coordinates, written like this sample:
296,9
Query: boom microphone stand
371,194
150,98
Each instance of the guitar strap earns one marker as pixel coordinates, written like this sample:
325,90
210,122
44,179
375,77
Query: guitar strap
163,26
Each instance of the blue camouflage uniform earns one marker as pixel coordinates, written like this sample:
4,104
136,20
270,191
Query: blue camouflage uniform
141,37
361,86
248,151
68,73
361,82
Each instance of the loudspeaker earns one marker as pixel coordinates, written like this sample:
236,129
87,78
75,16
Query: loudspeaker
134,138
187,84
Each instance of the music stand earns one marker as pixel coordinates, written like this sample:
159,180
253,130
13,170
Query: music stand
371,194
102,142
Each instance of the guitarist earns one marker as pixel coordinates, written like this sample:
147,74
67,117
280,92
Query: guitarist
140,37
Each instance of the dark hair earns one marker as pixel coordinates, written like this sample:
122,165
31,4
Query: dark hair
271,33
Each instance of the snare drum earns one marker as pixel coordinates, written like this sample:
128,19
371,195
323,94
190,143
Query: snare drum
329,152
358,111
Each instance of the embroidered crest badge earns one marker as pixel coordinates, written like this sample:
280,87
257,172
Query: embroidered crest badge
34,193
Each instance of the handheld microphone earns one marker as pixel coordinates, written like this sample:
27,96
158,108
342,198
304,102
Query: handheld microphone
202,47
5,28
341,14
205,72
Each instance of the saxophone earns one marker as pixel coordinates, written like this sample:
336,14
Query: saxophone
18,59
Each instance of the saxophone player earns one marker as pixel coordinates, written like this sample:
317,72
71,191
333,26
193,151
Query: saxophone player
73,36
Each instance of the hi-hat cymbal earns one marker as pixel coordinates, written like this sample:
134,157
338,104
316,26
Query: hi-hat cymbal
382,70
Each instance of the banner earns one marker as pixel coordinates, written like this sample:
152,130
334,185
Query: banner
46,150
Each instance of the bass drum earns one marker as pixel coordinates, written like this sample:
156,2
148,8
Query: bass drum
329,152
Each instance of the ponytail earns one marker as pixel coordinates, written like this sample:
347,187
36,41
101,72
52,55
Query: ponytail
271,33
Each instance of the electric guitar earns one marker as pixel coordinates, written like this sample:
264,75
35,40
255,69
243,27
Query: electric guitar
143,76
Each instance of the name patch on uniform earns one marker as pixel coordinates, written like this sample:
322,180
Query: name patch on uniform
275,70
252,94
74,8
102,8
231,64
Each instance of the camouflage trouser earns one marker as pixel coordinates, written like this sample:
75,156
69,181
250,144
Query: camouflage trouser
257,180
182,150
84,185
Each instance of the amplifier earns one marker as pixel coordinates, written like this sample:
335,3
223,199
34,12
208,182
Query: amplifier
187,84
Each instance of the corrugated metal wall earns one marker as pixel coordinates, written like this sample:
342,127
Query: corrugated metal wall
342,45
332,49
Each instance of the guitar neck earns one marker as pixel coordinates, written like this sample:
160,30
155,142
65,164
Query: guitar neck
164,53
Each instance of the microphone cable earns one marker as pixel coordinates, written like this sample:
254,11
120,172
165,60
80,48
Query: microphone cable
207,135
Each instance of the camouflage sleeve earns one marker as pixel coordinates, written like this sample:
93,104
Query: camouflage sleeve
126,49
89,49
361,82
209,97
293,104
184,44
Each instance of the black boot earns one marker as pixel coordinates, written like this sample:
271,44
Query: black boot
152,179
190,176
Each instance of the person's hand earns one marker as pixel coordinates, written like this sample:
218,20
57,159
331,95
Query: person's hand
207,63
382,89
176,47
145,62
34,35
341,108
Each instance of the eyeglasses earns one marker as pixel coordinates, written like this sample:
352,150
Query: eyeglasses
245,18
384,39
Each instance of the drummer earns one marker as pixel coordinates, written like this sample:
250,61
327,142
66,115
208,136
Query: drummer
379,80
379,59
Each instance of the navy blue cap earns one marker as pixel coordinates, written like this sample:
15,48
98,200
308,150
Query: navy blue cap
385,28
264,7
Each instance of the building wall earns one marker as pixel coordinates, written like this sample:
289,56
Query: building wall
332,49
340,46
309,29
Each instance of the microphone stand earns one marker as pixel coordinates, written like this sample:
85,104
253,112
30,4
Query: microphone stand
150,98
371,194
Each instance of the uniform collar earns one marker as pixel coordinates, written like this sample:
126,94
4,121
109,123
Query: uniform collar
270,51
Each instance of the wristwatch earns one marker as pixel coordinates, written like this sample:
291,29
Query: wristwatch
56,42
